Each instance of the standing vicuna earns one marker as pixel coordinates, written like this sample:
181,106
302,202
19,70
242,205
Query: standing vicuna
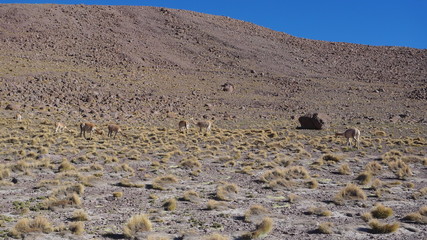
18,117
87,127
113,129
351,133
183,126
203,125
59,127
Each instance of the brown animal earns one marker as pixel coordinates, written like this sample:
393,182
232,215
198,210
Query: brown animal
18,117
351,133
204,125
60,127
113,129
183,126
87,127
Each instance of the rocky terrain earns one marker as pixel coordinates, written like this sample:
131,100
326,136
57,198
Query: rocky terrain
255,175
119,62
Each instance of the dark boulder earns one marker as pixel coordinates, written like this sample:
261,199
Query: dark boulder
314,121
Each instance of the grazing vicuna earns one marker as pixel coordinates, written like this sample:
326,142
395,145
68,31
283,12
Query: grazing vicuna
113,129
204,125
18,117
59,127
87,127
351,133
183,126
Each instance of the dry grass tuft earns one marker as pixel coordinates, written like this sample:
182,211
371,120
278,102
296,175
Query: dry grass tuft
380,211
400,168
364,177
350,192
25,225
80,215
261,231
226,191
382,228
332,158
77,228
325,228
170,204
344,169
162,182
318,211
136,224
212,205
420,193
126,183
191,196
417,217
254,213
373,167
117,194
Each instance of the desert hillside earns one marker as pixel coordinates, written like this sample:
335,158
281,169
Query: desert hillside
250,174
121,62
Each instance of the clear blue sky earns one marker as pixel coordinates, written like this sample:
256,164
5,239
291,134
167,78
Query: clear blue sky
372,22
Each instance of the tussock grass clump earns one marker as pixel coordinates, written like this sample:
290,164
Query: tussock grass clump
254,213
25,225
350,192
332,158
420,193
69,200
400,168
392,155
77,228
367,216
126,183
191,196
364,177
4,172
325,228
344,169
373,167
380,211
281,184
417,217
312,183
261,231
190,163
66,166
123,167
117,194
294,172
226,191
162,182
216,205
318,211
382,228
170,204
216,236
136,224
80,215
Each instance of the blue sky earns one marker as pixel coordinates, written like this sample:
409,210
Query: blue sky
371,22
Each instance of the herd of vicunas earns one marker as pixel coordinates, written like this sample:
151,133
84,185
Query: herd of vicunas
88,127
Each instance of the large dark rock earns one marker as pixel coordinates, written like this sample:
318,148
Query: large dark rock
314,121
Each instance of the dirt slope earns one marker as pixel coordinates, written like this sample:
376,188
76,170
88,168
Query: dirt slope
116,61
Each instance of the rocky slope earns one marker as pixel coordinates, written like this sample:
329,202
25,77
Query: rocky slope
104,62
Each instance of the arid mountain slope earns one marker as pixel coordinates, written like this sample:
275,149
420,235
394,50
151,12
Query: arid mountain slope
117,61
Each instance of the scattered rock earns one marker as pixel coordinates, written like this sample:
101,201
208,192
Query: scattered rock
227,87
